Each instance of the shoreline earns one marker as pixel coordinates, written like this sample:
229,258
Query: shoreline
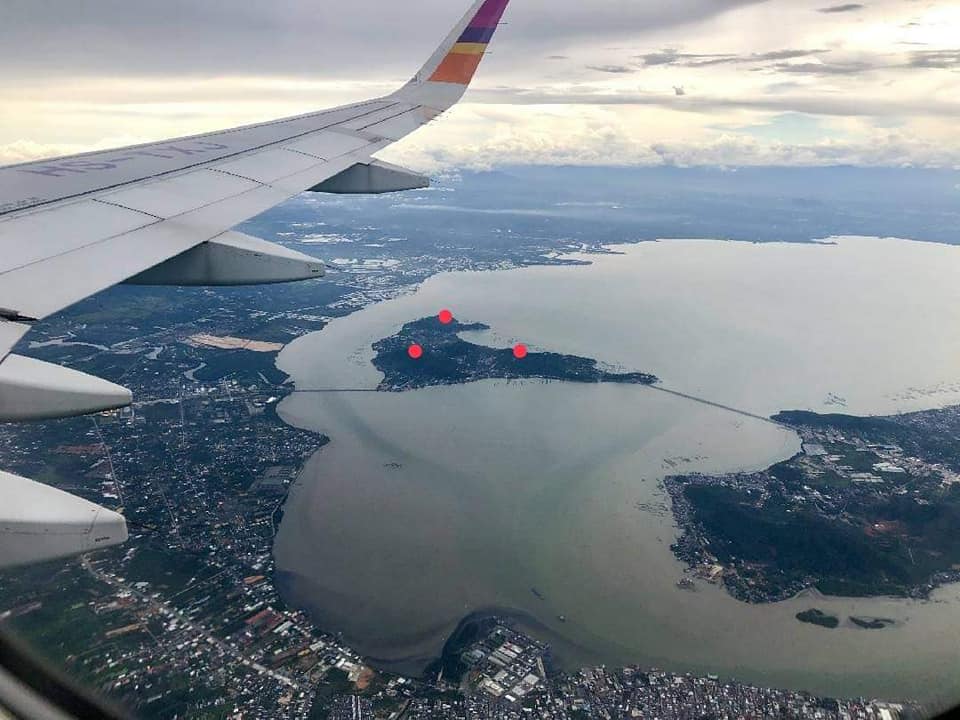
797,594
866,486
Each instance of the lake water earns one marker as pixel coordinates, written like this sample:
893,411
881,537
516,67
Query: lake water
427,505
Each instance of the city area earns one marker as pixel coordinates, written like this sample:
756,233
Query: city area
185,620
868,507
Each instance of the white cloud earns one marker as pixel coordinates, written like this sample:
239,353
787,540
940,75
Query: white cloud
880,85
585,135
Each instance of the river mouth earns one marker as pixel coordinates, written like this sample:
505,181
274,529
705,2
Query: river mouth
432,504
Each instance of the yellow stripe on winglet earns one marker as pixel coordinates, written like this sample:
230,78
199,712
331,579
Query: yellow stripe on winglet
469,48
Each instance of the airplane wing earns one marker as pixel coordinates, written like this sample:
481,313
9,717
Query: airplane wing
162,213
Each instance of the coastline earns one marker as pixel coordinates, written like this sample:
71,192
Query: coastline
358,360
869,488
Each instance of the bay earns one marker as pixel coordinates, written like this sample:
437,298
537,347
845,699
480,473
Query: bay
428,505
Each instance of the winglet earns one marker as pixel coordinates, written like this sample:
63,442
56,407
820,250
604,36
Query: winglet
444,79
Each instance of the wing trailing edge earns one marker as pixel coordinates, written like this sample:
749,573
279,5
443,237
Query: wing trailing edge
233,259
372,178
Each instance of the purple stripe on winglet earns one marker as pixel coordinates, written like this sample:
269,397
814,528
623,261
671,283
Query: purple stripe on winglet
477,35
489,15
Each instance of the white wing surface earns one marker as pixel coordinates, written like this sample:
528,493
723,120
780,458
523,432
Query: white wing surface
162,213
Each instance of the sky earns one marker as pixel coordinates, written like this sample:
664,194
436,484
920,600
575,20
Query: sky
646,82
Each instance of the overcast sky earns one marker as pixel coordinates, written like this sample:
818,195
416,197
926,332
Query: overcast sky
715,82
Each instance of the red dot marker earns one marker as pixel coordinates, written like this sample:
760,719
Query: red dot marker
520,351
446,317
415,351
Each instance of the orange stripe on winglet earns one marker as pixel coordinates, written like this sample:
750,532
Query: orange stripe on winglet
457,68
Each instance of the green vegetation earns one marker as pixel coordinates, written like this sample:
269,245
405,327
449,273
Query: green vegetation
469,631
871,623
241,365
818,617
171,570
449,360
798,543
63,626
869,514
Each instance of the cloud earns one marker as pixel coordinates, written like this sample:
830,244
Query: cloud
612,69
825,68
26,150
20,151
939,59
690,81
849,7
782,55
670,56
303,38
693,60
917,59
830,105
599,138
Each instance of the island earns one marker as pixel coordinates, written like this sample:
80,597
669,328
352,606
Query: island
869,507
818,617
448,359
869,623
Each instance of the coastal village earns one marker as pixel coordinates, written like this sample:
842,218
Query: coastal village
874,479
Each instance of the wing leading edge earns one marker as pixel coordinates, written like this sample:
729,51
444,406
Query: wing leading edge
162,213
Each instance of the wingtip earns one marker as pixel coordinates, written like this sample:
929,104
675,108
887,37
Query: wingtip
455,63
463,57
